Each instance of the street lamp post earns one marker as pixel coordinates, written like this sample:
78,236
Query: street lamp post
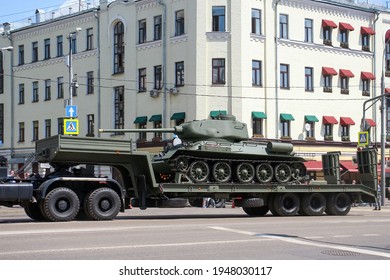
72,81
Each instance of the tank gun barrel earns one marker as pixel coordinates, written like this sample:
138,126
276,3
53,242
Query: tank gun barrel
176,129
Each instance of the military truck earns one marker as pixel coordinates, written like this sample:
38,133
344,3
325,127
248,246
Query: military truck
228,167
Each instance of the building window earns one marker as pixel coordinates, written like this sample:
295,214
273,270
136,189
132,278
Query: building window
47,128
286,125
179,69
21,54
366,42
34,56
91,125
47,89
366,87
157,124
157,28
179,23
310,126
283,26
1,73
142,31
142,135
89,39
2,123
142,79
119,48
218,71
21,93
60,45
328,131
345,132
258,126
309,79
119,108
256,73
219,18
35,93
344,38
157,77
47,48
256,21
35,135
60,126
327,83
90,82
344,85
60,87
73,44
308,30
284,76
327,35
21,132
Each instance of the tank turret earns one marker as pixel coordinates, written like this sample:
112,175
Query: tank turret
220,151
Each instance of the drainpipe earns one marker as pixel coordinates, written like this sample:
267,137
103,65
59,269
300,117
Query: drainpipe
276,71
374,66
12,98
164,58
99,109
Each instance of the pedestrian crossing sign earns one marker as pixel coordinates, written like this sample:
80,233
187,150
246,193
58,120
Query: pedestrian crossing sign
71,126
363,139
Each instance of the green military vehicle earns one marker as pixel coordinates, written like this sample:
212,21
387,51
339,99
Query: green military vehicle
216,159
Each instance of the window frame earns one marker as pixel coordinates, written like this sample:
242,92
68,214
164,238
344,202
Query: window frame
157,34
258,126
142,80
179,23
179,76
311,132
47,89
60,87
90,125
35,49
22,133
47,48
21,55
119,108
285,128
47,128
284,76
257,73
256,21
89,38
119,48
35,91
158,77
219,19
60,46
309,79
142,36
218,71
21,93
35,134
90,82
308,30
283,26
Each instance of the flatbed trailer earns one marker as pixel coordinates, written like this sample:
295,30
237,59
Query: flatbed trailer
70,193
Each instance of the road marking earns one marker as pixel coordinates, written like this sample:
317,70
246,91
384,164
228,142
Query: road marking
342,236
301,241
371,234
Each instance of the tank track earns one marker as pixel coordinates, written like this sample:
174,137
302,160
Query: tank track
222,170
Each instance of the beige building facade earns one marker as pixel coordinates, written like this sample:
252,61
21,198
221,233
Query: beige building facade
295,71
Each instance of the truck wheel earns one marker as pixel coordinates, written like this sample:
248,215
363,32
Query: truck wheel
313,204
61,205
102,204
286,204
256,211
338,204
249,202
34,211
196,202
270,204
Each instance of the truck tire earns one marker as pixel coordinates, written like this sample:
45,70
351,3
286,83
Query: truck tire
60,205
196,202
338,204
287,204
313,204
256,211
102,204
174,203
249,202
270,204
34,211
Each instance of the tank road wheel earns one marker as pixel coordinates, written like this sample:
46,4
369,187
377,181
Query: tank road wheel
34,211
313,204
245,172
60,205
182,164
286,204
256,211
102,204
338,204
264,172
298,170
222,172
199,171
282,173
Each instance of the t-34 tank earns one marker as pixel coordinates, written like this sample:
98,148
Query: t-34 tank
220,151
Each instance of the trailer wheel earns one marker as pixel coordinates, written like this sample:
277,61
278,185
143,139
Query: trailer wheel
34,211
338,204
249,202
256,211
286,204
102,204
313,204
60,205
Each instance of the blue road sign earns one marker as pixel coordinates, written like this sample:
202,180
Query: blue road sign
71,111
71,126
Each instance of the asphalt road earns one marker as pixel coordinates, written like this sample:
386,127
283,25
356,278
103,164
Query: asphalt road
198,234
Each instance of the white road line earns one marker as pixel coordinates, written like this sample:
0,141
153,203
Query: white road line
371,234
342,236
308,243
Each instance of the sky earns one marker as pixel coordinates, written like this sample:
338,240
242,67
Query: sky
15,10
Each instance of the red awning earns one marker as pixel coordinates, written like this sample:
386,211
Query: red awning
387,36
387,90
328,23
328,71
348,165
329,120
371,122
346,26
367,30
346,73
346,121
313,165
367,76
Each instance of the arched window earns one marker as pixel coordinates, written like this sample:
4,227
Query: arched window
119,48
